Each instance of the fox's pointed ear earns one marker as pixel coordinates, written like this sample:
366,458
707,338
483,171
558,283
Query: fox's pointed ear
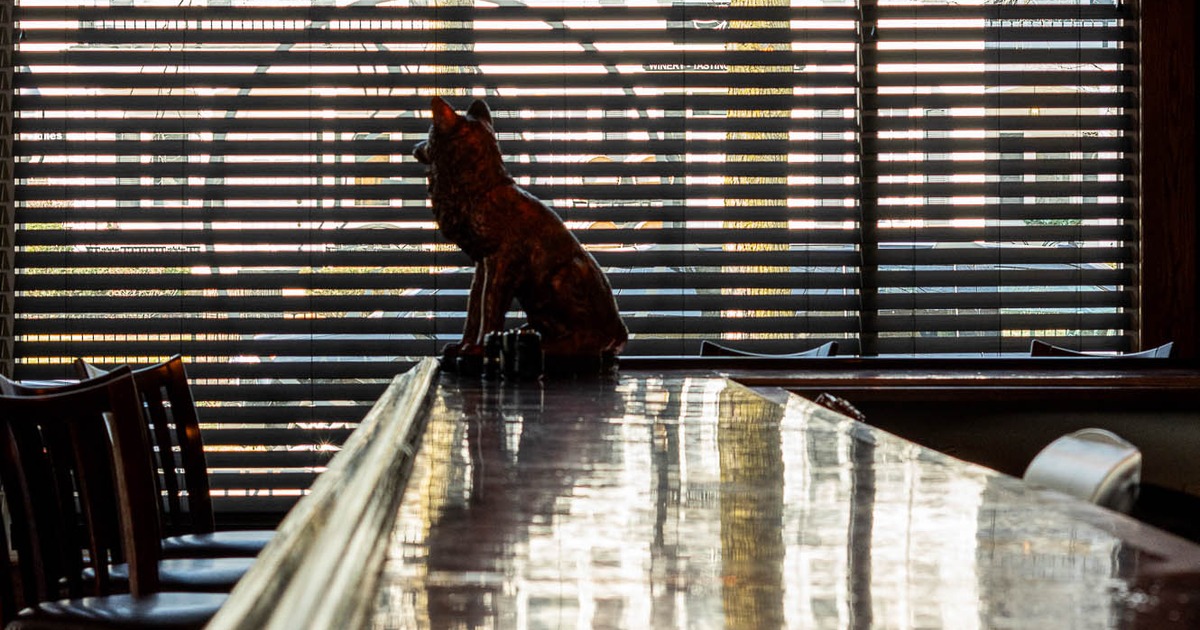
444,116
479,110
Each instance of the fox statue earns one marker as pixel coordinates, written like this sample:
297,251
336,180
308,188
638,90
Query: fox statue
520,247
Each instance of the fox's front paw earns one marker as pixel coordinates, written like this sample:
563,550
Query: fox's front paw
449,357
463,358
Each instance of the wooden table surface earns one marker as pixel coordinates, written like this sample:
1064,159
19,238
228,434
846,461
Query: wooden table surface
1164,382
667,499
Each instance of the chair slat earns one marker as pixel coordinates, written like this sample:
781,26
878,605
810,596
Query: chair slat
171,411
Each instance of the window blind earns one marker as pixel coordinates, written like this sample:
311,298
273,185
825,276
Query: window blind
7,190
1003,143
231,180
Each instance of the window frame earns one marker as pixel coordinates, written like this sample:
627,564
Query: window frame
1165,180
1164,200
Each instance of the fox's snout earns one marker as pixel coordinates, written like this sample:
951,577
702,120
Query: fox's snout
421,152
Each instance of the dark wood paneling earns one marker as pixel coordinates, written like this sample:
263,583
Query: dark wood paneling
1167,178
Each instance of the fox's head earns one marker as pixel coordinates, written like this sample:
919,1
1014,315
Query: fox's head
451,131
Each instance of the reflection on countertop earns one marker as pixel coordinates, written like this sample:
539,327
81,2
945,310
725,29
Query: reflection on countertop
658,501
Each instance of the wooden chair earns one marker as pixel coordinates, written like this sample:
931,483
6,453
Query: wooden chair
1039,348
174,425
177,572
713,349
8,586
1092,464
77,486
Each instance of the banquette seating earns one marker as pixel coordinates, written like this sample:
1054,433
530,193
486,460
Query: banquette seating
1039,348
713,349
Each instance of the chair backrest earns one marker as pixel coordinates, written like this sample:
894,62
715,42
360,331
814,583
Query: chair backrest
713,349
8,600
1092,464
77,475
1039,348
173,423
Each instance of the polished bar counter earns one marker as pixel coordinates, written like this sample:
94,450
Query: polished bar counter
683,499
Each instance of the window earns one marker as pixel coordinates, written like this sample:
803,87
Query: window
231,180
999,142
